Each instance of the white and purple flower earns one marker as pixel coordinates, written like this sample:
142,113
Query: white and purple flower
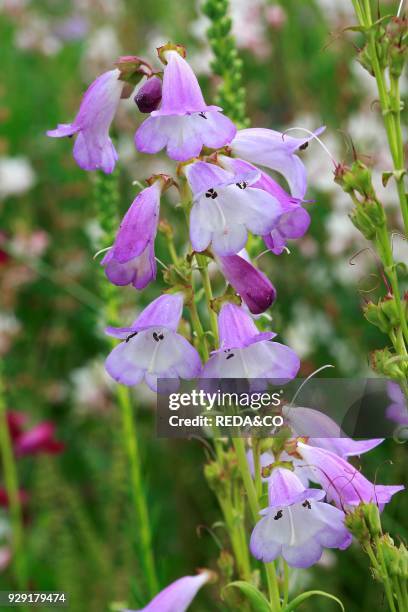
152,348
297,524
131,259
343,483
294,220
178,595
247,353
226,206
93,148
276,151
184,123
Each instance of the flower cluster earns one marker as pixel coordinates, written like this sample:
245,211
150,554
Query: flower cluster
227,195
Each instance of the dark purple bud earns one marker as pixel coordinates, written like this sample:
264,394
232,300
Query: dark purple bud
149,95
251,284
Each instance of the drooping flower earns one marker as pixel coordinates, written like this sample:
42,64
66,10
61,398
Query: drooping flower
131,259
178,595
245,352
251,284
93,148
276,151
294,220
184,123
343,483
324,432
149,95
226,206
297,524
152,348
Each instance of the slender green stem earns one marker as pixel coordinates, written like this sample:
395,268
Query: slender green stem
205,277
386,578
385,251
285,583
249,485
11,485
138,494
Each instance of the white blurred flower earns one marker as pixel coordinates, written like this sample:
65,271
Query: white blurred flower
103,48
91,387
309,328
16,176
9,327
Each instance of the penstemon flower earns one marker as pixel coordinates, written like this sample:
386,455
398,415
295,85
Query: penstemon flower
297,524
244,352
294,220
226,206
251,284
184,123
343,483
152,348
178,595
93,148
276,151
131,259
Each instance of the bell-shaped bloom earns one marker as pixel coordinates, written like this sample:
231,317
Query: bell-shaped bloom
152,348
39,439
226,206
184,123
251,284
131,259
178,595
93,148
324,432
296,524
343,483
247,353
149,95
294,220
276,151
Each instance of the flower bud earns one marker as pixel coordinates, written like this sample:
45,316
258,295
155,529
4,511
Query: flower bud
398,38
383,362
132,68
225,563
356,524
149,95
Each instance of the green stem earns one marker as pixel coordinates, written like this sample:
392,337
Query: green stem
205,277
138,494
385,251
285,584
11,485
386,578
270,569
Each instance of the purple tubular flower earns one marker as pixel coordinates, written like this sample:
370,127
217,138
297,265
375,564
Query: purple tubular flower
152,348
178,595
226,206
294,220
149,95
276,151
93,148
131,259
184,123
247,353
325,432
296,524
343,483
250,283
397,411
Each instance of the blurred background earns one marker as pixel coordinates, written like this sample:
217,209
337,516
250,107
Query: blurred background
299,70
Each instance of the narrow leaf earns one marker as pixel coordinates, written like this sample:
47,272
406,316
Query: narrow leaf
258,601
295,603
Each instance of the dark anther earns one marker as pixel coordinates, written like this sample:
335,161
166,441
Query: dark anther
278,515
70,135
202,115
211,193
157,337
306,504
304,146
161,336
230,355
131,336
242,185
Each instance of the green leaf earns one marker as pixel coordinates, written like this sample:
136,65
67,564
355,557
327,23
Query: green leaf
258,601
295,603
